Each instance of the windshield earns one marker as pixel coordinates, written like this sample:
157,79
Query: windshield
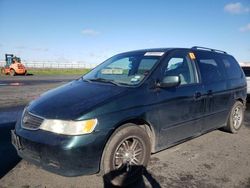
123,69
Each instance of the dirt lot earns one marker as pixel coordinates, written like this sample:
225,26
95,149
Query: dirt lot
217,159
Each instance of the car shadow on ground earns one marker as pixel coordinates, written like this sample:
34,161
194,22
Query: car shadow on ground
143,180
8,154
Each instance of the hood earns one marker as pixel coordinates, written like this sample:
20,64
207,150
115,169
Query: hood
72,100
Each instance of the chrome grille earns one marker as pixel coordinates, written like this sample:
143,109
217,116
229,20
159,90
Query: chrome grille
31,121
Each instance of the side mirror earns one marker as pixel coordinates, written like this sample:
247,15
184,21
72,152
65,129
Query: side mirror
170,81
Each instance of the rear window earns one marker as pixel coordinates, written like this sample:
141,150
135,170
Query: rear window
233,69
246,71
210,67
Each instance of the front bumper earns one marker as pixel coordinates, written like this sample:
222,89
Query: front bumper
63,155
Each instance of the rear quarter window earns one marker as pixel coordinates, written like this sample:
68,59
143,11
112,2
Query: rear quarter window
233,70
211,68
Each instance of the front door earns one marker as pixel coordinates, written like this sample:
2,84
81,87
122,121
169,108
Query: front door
181,108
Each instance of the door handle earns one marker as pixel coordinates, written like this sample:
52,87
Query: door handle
197,95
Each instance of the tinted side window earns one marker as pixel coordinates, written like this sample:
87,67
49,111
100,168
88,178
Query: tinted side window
179,64
210,67
233,69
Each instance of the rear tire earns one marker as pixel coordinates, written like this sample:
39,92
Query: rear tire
12,72
236,118
126,154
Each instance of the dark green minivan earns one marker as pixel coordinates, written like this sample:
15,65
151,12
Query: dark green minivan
134,104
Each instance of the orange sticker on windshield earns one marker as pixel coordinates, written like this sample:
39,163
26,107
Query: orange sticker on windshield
191,55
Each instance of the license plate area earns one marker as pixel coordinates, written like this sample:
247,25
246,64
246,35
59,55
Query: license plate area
15,140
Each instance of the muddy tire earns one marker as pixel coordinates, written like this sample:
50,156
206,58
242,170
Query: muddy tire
125,156
236,118
12,72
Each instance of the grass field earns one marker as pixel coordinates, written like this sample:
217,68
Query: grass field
58,71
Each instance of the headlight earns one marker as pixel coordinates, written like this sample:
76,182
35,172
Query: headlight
69,127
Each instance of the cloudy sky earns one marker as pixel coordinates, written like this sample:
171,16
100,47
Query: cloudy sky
91,30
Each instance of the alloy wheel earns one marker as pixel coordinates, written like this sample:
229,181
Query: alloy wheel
237,117
129,153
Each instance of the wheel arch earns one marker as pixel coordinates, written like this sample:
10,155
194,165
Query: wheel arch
136,121
240,100
243,101
146,126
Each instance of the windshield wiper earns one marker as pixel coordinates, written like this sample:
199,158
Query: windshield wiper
104,81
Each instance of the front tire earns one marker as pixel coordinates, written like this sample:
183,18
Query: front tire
12,72
236,118
126,154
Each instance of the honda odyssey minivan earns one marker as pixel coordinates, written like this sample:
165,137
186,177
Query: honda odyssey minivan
130,106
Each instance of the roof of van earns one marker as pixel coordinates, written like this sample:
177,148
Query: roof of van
195,48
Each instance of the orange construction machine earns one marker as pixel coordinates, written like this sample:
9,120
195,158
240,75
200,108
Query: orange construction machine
13,66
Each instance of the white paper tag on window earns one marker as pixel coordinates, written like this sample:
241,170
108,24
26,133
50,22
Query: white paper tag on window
154,53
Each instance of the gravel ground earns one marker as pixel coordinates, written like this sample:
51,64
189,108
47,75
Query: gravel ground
216,159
